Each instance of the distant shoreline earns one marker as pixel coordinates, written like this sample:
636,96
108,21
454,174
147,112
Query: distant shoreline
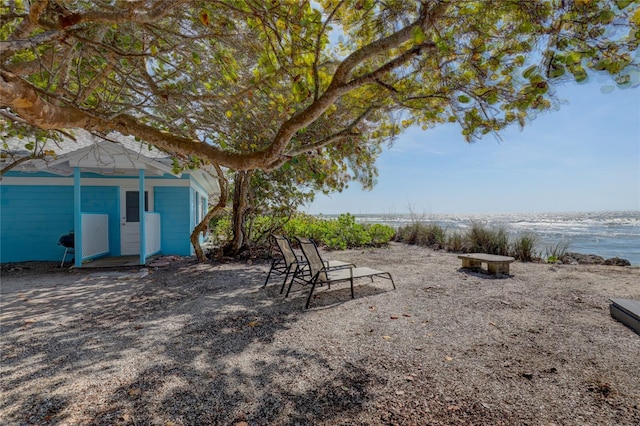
607,234
434,216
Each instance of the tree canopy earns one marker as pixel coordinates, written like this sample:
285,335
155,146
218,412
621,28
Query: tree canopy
248,84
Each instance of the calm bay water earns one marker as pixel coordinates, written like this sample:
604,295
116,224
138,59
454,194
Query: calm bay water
606,234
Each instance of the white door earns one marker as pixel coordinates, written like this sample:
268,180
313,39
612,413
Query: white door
130,220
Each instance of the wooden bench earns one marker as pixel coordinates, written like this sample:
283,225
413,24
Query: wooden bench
495,264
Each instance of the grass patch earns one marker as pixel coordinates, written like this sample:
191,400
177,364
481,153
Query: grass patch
487,240
479,238
555,252
426,235
523,248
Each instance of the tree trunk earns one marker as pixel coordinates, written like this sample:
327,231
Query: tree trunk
241,209
202,227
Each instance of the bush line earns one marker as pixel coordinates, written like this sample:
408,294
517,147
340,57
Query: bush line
344,232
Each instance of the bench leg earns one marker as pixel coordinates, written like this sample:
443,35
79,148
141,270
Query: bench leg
498,268
471,264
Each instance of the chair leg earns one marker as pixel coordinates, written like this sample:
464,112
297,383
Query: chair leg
267,280
274,262
286,277
313,286
64,256
290,285
353,296
268,275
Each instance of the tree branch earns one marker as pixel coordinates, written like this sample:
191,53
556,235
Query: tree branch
29,23
425,20
30,67
147,15
347,131
19,95
203,226
18,162
373,77
316,77
339,85
12,46
8,115
24,99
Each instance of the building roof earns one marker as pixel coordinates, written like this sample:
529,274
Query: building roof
113,154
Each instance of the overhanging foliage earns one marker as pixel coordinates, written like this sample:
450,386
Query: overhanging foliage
252,84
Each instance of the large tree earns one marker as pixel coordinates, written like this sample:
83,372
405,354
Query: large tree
182,74
323,167
280,192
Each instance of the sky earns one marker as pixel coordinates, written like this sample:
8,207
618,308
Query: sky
583,157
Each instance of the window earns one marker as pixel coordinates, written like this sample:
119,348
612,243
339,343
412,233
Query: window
133,205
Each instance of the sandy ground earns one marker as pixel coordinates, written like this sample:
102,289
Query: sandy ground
204,344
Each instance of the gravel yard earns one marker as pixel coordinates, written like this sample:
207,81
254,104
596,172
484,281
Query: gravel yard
200,344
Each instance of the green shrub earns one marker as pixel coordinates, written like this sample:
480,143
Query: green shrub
456,243
407,234
307,226
524,248
261,227
555,252
220,229
344,233
485,240
435,236
480,239
380,234
338,234
421,234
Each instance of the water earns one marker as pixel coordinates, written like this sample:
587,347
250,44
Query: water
606,234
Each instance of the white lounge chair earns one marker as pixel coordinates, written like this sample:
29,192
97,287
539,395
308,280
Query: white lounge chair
320,274
288,263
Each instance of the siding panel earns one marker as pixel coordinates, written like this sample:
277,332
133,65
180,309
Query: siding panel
32,219
173,204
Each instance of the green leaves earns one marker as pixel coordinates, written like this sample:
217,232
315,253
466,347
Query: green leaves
300,91
622,4
528,73
339,233
606,17
418,35
280,77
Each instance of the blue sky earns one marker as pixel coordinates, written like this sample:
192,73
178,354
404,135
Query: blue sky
583,157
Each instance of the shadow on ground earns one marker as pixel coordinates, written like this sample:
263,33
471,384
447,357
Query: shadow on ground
184,348
205,344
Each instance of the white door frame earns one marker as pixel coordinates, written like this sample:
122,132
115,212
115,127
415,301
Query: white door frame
130,231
